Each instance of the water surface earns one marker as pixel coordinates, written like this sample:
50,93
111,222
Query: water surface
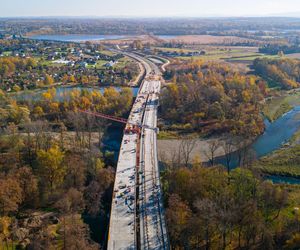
76,37
63,93
275,135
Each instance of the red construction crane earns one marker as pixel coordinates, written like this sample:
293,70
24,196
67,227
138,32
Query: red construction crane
130,126
108,117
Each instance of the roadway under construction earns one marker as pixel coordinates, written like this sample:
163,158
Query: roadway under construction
137,215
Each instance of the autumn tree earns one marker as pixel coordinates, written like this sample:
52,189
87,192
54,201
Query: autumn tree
48,80
51,167
178,215
28,184
76,171
10,195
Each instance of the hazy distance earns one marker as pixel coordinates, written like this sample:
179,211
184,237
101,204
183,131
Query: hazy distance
153,8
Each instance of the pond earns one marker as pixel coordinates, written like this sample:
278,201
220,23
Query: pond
85,37
63,93
167,37
76,37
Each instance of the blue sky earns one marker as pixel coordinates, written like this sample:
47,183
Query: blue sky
195,8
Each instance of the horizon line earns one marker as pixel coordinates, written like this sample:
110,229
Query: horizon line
153,17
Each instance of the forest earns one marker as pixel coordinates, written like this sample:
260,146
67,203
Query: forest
207,208
53,177
282,73
274,49
212,98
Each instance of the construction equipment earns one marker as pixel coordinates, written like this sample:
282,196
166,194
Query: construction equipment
130,126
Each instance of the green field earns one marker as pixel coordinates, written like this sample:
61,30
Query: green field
286,160
283,162
277,106
107,52
175,49
230,57
230,54
122,62
7,53
251,57
100,64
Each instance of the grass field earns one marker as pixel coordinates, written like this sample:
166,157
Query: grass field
234,57
7,53
251,57
100,64
224,53
163,135
283,162
277,106
208,39
295,138
123,62
175,49
107,52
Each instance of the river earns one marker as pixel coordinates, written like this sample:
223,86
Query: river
275,135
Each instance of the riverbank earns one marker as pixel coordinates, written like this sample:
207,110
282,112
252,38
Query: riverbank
168,149
277,106
284,162
276,134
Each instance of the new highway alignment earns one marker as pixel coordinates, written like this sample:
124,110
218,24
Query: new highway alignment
137,215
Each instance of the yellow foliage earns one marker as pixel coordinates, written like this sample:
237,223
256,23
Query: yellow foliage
197,160
54,106
4,225
47,96
85,102
246,96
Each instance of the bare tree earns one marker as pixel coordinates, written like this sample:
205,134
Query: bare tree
250,157
101,125
163,159
175,158
206,212
89,124
244,152
62,131
40,129
213,146
228,148
186,148
77,120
